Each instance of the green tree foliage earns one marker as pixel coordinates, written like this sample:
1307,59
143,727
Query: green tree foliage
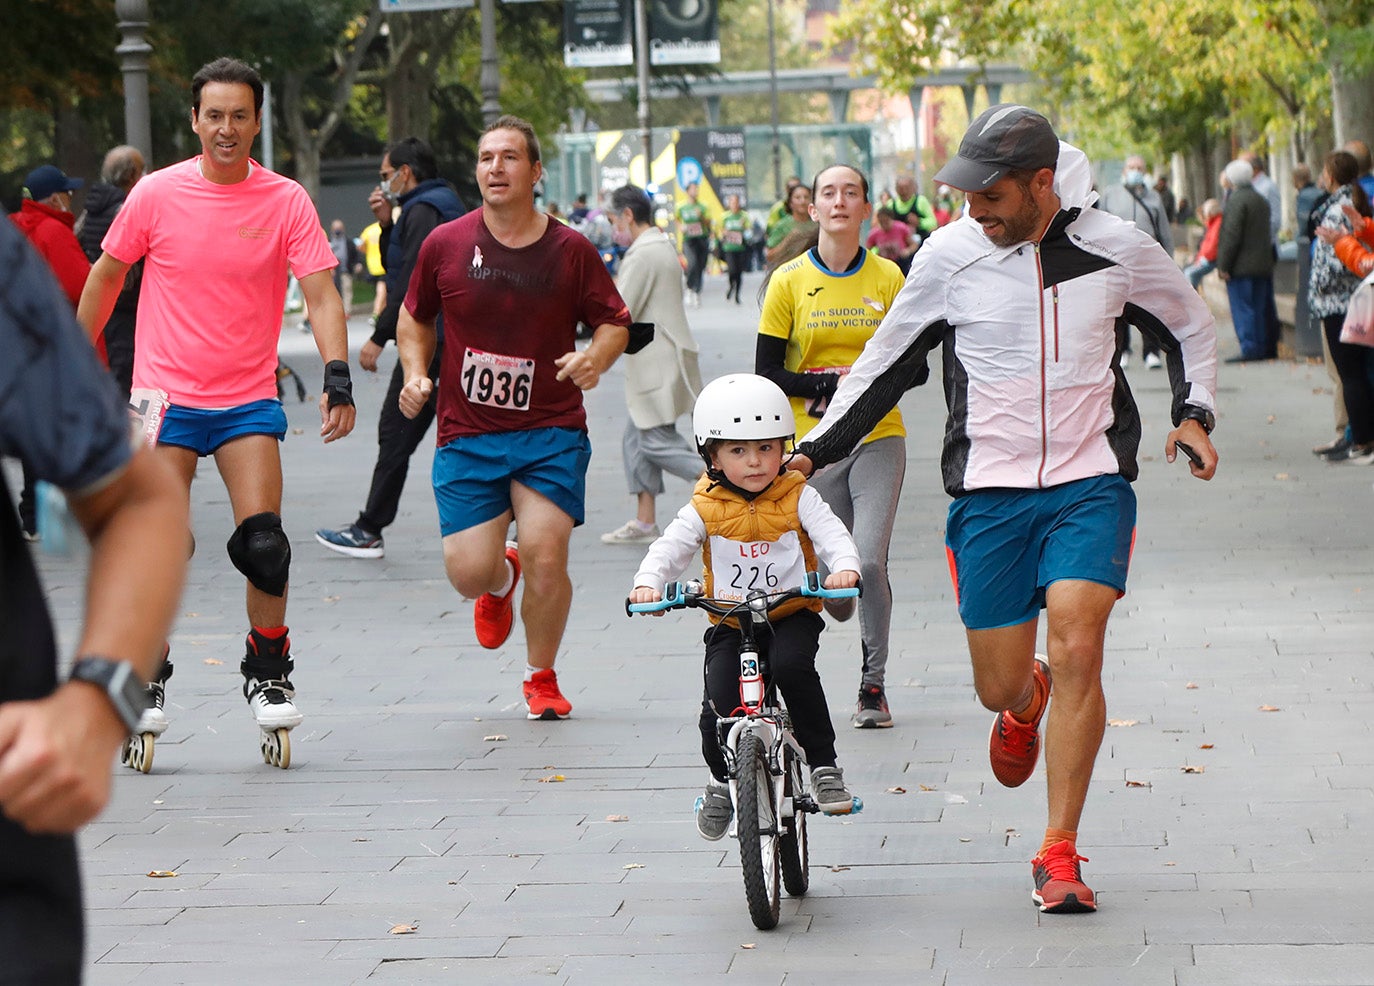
1163,76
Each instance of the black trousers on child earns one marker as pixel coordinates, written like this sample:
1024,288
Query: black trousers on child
789,653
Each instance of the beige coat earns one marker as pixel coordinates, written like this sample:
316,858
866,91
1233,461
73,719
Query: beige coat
662,379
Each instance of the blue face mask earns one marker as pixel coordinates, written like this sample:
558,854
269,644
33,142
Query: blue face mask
1133,176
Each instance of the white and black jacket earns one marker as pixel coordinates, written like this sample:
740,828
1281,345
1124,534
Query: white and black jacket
1035,392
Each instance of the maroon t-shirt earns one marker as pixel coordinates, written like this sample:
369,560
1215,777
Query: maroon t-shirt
508,314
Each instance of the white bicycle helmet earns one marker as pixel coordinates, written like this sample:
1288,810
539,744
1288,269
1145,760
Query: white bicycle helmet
741,406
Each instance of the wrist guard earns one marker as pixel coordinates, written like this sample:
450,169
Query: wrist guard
338,384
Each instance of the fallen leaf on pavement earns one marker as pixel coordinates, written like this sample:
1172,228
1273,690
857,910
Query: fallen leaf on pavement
1206,746
838,869
1282,476
1122,722
1270,708
1190,684
1137,783
748,945
404,929
552,779
617,818
162,873
965,840
1190,769
633,866
927,787
212,661
896,790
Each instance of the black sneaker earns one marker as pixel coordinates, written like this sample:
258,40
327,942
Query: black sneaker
872,712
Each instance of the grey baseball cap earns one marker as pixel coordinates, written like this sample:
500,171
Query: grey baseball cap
1005,137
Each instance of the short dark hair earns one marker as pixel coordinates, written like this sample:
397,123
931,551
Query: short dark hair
635,199
523,126
227,70
417,155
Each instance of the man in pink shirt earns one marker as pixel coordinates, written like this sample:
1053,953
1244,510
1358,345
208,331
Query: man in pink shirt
218,234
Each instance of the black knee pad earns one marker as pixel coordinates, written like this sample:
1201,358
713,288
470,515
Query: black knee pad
259,549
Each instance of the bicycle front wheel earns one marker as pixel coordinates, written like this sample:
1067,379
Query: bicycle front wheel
757,825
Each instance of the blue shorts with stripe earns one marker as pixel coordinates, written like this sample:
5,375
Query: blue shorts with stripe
1005,547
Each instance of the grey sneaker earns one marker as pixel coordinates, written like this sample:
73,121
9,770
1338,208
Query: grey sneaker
872,711
714,811
352,541
631,533
827,787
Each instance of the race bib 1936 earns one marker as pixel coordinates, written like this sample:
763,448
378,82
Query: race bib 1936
740,567
498,381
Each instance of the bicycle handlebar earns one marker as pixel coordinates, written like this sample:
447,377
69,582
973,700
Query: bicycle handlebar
683,595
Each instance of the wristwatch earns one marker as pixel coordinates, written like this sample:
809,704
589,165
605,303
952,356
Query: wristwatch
121,686
1201,415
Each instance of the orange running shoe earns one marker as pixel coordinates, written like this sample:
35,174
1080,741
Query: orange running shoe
493,615
1059,886
1014,746
543,697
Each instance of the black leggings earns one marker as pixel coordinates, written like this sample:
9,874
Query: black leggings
734,265
790,652
1349,361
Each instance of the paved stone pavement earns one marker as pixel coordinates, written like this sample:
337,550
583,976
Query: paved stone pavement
420,796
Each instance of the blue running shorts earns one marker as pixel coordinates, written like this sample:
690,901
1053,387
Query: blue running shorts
1005,547
203,431
472,474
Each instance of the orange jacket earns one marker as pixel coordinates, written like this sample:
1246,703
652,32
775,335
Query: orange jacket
1356,250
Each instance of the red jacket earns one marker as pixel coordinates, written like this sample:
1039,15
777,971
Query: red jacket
1207,249
50,232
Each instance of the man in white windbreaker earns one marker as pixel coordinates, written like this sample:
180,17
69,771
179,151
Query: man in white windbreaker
1022,295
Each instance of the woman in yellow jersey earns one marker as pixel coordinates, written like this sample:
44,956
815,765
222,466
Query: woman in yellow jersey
823,301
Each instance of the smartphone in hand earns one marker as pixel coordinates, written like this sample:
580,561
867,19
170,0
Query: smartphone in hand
1187,450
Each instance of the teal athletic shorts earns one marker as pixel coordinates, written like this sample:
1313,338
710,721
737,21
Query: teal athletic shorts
472,474
204,431
1005,547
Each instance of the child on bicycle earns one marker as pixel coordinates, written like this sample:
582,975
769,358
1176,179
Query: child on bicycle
757,525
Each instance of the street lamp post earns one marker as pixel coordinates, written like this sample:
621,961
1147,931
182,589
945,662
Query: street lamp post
773,100
646,134
491,65
133,51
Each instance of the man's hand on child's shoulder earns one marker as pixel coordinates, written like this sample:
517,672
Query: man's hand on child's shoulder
846,579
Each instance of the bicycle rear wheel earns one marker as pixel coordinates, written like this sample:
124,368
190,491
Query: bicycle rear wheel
757,825
792,848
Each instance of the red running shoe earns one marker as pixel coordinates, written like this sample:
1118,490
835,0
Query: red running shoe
493,615
1014,746
543,697
1059,886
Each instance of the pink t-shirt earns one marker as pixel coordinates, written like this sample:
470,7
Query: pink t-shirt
214,278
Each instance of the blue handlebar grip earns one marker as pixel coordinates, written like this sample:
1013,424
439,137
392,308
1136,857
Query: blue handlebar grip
672,598
814,588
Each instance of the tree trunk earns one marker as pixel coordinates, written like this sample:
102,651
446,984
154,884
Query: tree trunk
1352,104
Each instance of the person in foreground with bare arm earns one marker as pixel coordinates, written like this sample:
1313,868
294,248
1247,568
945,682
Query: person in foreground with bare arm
512,287
61,415
1022,294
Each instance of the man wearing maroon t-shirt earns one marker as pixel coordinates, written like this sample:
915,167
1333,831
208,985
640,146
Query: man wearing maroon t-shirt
512,287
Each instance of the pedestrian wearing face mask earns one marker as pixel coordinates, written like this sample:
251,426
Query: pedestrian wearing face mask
1136,202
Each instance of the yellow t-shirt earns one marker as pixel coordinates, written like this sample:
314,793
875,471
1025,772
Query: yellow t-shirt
826,318
371,238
